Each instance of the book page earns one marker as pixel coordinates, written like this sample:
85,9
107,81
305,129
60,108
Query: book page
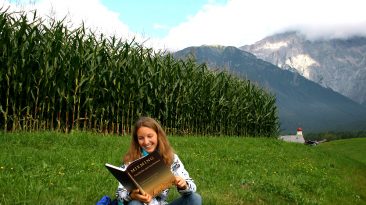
121,176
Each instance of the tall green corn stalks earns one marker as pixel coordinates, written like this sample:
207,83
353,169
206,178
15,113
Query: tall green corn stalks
56,78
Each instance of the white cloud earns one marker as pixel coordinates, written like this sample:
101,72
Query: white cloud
238,23
158,26
242,22
92,13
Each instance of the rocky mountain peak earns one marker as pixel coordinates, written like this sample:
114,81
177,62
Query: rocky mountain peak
339,64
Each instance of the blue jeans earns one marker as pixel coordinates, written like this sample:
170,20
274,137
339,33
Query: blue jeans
190,198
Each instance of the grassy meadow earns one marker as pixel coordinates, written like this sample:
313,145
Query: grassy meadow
55,168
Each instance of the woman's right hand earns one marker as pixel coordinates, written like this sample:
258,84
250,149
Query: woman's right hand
136,195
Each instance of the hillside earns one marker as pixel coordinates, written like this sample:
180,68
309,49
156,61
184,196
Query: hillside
300,102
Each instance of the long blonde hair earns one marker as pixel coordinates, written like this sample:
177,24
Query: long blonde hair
165,150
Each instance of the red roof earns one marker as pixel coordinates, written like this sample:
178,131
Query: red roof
299,129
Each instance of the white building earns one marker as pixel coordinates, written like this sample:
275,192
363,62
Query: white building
294,138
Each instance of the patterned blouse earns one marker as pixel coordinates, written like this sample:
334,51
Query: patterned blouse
177,169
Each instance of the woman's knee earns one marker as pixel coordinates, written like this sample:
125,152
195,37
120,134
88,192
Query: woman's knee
134,202
197,198
194,198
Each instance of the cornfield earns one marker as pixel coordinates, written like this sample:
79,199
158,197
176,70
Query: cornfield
53,77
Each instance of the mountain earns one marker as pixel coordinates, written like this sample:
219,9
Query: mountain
300,102
339,64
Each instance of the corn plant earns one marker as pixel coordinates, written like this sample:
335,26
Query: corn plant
53,77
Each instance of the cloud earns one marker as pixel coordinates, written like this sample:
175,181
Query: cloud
92,13
236,23
241,22
158,26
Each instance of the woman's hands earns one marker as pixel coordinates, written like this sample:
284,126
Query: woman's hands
180,183
137,195
146,198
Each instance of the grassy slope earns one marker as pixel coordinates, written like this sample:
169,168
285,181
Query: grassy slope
51,168
350,155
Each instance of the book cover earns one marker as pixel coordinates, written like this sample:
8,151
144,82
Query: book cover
149,174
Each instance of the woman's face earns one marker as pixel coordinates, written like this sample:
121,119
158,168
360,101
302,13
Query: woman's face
147,139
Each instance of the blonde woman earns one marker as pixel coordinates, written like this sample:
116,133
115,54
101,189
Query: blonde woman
148,136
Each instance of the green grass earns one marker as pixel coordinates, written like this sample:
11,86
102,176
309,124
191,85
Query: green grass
53,168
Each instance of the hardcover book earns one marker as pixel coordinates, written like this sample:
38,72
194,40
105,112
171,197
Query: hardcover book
148,174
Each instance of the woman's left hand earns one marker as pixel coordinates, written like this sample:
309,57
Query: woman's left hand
180,182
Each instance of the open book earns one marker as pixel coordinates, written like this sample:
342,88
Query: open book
148,174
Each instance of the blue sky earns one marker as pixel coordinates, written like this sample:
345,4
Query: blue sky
177,24
156,17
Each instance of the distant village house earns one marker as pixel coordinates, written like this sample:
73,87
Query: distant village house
294,138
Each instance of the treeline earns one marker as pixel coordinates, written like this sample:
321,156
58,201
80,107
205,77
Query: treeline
53,77
330,136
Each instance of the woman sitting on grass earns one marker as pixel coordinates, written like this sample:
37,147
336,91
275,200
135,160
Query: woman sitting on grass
148,136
